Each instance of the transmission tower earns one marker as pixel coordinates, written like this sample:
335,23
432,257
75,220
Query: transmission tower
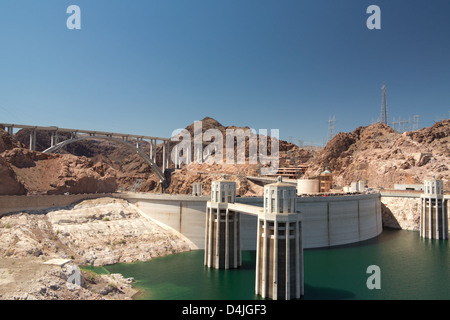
394,123
403,125
384,110
406,125
331,127
416,120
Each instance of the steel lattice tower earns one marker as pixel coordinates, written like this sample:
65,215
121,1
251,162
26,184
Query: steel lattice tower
384,111
331,128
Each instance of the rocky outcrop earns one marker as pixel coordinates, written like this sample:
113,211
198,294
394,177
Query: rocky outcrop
94,232
7,142
30,279
290,154
182,180
128,171
401,213
384,157
28,172
375,153
42,173
108,231
9,183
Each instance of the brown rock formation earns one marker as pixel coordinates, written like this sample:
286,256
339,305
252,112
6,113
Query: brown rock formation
7,142
9,183
23,171
383,157
375,153
131,170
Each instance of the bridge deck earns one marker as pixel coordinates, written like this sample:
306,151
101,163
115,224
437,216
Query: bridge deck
81,131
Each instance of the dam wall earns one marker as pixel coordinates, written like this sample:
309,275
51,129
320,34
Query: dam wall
337,220
186,214
327,221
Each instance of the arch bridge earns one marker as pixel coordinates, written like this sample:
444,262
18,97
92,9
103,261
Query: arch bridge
134,143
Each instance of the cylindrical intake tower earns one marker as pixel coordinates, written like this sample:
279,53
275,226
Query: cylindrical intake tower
222,232
279,249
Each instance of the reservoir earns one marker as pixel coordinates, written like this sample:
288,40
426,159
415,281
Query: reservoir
410,268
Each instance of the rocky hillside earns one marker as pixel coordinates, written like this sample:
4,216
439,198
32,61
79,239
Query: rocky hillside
9,182
131,171
182,180
102,166
41,173
27,172
375,153
290,154
383,157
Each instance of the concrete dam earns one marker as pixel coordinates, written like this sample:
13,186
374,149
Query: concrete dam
327,221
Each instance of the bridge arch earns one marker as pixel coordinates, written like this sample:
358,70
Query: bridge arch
133,149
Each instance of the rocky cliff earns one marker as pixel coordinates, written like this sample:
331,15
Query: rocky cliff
102,166
401,213
384,157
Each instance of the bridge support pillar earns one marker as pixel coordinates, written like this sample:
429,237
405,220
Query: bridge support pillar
54,138
222,232
177,158
167,154
154,151
33,140
164,166
139,144
150,153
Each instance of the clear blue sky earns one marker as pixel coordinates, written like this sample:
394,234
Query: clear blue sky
152,66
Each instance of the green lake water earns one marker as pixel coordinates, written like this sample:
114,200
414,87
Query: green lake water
410,268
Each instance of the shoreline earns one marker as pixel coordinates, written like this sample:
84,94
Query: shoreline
95,232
